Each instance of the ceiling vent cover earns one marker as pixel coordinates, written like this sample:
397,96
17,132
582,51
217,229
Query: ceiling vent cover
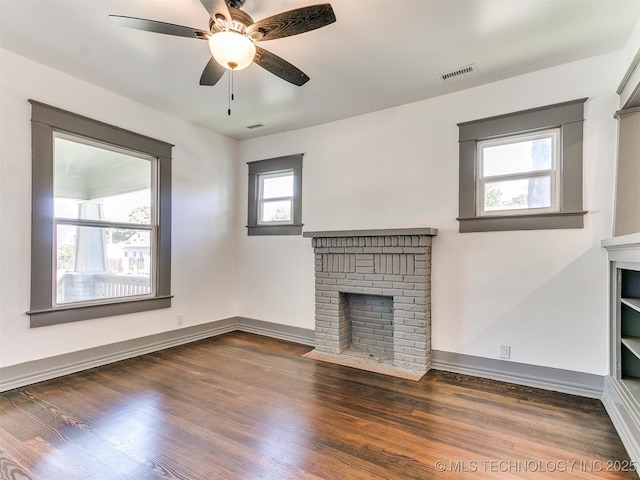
460,71
257,125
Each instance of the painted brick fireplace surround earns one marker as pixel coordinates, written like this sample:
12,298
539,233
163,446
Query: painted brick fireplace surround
373,299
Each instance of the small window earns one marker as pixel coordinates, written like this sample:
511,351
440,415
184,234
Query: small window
518,174
522,170
275,196
101,219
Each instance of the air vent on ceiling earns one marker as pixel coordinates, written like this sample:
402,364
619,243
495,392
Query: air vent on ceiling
257,125
460,71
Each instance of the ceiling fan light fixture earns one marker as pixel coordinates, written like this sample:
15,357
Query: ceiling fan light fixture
232,50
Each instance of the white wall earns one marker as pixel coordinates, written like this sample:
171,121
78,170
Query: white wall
542,292
204,216
631,48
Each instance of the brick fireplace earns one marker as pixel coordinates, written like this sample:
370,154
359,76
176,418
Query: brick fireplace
373,299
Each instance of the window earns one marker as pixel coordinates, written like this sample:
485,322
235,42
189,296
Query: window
275,198
522,171
101,217
518,174
275,201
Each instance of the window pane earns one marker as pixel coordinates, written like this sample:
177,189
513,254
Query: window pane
277,211
94,263
277,186
517,157
518,194
95,183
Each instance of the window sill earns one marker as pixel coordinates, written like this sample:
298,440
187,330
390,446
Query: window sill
289,229
54,316
538,221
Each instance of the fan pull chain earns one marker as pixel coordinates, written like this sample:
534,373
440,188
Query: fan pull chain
231,96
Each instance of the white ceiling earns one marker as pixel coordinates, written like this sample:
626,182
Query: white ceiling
378,54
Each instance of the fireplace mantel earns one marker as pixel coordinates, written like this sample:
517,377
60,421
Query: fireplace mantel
382,232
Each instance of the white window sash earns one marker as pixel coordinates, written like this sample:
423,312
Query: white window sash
152,227
552,173
262,201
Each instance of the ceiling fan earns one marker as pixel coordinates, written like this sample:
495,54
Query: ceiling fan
233,35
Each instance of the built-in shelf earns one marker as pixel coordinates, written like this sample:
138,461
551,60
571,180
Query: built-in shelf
631,302
625,331
624,257
628,295
621,395
633,344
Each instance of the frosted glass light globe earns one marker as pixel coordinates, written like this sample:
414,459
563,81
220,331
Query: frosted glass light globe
232,50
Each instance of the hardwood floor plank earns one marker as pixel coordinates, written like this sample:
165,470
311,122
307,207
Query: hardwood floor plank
13,462
241,406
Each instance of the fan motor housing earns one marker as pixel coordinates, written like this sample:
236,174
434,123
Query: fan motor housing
240,19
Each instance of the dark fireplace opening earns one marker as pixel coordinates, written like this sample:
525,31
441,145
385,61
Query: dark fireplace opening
370,322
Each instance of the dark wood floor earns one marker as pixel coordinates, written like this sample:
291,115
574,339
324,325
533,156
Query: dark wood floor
241,406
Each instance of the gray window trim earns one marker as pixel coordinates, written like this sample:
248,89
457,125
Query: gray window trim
45,120
569,117
289,162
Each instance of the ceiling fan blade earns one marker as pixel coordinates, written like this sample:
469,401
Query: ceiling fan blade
280,67
217,7
160,27
212,73
294,22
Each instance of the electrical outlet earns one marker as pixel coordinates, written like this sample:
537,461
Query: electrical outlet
505,352
180,320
